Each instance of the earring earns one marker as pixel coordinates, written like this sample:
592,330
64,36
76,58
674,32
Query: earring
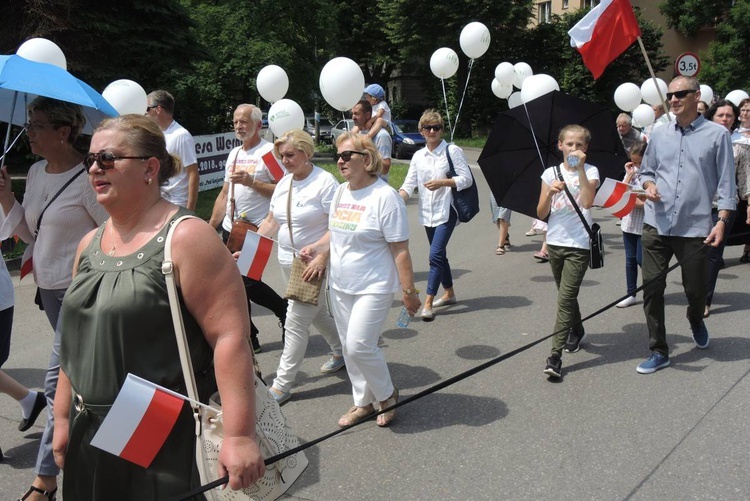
149,180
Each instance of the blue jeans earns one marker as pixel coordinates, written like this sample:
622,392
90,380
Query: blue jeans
440,270
633,259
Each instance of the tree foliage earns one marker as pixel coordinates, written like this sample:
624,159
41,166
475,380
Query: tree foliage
689,16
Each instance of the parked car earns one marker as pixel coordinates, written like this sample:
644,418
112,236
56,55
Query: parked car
325,128
341,127
264,120
406,138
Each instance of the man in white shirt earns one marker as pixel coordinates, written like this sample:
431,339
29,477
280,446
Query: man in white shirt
361,114
251,177
182,188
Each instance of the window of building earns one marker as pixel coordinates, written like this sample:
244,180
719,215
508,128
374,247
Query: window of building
587,4
545,12
565,4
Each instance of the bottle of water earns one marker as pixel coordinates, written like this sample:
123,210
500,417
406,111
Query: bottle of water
403,318
573,160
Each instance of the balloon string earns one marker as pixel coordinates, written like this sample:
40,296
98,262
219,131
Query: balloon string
2,158
461,104
533,135
445,98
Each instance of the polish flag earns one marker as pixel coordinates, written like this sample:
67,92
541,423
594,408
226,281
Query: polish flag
616,197
27,264
274,167
605,33
254,255
139,421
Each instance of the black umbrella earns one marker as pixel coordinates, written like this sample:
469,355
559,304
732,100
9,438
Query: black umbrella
511,162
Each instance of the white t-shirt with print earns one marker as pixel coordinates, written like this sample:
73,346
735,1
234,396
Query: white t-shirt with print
362,225
249,202
565,228
311,204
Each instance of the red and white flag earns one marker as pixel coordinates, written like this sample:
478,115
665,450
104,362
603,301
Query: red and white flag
27,263
274,167
254,255
615,196
139,421
605,33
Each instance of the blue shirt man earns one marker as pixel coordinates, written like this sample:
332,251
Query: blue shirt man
685,165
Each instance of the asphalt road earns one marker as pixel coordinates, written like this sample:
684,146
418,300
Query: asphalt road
603,432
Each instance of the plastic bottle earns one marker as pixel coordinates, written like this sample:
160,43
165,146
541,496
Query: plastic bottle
403,318
573,160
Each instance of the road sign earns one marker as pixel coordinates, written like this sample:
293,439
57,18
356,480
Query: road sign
687,64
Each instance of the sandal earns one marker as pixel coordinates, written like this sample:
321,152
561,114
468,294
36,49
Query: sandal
543,257
386,418
355,415
50,495
500,250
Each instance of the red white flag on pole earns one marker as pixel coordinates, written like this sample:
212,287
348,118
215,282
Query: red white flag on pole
27,263
274,167
616,197
605,33
254,255
139,421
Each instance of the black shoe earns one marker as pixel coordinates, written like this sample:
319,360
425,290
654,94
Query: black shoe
39,404
554,366
575,337
256,344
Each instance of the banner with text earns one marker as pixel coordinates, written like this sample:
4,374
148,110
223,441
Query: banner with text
212,151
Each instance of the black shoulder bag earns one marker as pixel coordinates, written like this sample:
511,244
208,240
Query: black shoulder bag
466,201
38,296
596,244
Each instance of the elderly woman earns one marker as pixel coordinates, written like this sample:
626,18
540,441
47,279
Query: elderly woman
299,212
368,243
59,208
428,172
116,320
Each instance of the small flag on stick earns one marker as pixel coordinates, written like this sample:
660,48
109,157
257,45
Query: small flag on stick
616,197
254,255
274,167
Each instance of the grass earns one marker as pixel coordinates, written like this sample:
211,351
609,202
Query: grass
472,142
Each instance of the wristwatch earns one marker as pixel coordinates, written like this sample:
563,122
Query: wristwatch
725,220
411,291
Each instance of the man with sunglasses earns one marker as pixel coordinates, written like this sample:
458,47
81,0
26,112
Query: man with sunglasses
361,114
686,164
182,189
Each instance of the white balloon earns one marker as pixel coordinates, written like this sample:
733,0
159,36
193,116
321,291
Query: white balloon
707,94
649,92
628,97
444,62
643,115
42,50
126,96
284,116
475,39
515,100
500,90
736,96
272,83
505,74
341,83
522,71
536,86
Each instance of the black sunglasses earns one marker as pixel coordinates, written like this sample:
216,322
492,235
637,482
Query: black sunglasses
105,160
152,107
436,128
347,155
680,94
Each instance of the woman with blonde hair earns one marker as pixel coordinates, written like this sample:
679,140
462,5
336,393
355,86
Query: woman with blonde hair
300,205
368,245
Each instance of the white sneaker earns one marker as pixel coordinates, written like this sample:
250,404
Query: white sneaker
628,301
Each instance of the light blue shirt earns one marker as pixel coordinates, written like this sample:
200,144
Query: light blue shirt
689,166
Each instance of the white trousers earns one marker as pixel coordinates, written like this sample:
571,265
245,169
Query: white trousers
359,319
299,317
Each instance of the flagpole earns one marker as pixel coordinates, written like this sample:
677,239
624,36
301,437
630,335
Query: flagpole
653,75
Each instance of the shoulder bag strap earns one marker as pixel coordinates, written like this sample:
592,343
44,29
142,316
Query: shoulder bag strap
168,269
39,221
289,215
451,169
575,205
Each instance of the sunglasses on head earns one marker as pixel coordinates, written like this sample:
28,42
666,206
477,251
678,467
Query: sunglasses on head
680,94
436,128
105,159
347,155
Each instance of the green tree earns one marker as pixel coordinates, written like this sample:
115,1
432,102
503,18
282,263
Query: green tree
689,16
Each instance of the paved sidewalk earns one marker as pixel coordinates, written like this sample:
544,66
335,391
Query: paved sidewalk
603,432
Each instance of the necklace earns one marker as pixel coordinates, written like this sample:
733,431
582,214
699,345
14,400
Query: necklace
128,236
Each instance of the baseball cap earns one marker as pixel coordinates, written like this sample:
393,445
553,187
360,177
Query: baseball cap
375,90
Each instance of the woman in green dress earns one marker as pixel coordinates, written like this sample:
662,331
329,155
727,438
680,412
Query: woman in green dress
117,320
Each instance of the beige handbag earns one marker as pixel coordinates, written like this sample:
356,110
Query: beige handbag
298,289
240,226
271,431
